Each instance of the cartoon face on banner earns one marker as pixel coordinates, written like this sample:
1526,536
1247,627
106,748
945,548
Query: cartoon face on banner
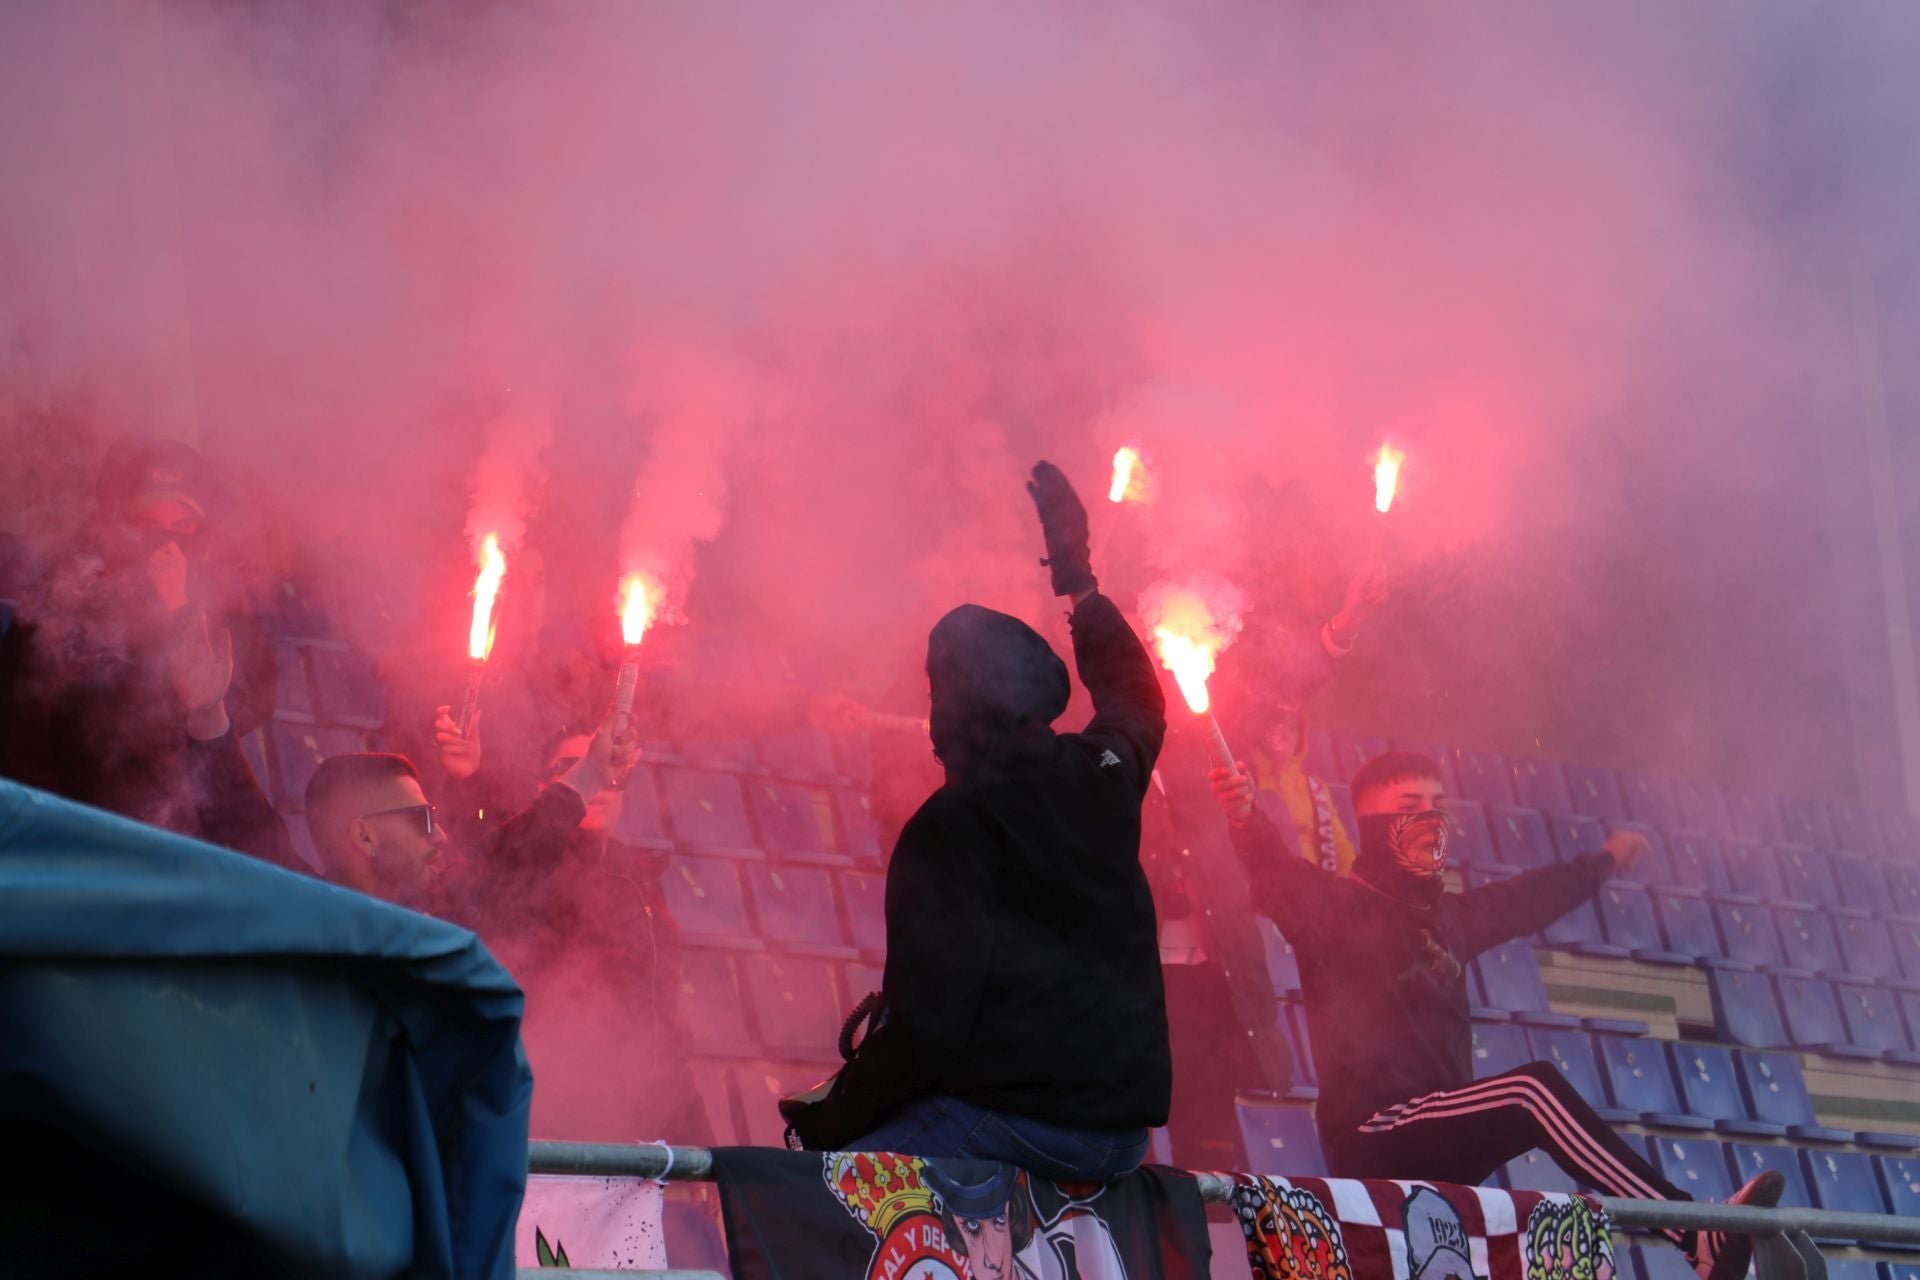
1290,1234
1563,1242
1438,1247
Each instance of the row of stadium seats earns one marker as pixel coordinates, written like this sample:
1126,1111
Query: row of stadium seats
1838,1019
725,902
746,1005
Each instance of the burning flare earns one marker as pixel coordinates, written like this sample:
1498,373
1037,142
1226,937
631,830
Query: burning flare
1191,662
636,609
1386,476
1126,475
486,587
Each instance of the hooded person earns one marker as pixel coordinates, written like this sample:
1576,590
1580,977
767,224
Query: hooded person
1383,955
1021,1014
133,670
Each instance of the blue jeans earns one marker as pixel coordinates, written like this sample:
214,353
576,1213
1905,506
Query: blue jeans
940,1126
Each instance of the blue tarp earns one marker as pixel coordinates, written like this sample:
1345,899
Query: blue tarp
211,1066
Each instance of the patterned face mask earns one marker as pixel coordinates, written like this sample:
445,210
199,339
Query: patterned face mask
1415,843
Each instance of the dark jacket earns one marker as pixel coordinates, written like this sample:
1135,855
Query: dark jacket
1384,980
1022,970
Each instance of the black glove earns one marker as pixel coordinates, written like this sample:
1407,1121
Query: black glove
1063,521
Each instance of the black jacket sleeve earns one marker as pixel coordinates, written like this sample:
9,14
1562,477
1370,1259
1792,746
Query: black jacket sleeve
941,884
1129,707
1294,893
233,811
1506,909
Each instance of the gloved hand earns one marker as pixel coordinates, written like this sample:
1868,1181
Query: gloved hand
1063,521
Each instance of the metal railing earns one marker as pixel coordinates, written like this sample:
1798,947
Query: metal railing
1783,1237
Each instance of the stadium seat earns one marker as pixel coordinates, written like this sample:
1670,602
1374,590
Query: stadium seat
1509,981
298,750
1483,776
1856,829
1686,922
1574,834
1749,1160
1900,1271
641,822
1499,1047
1626,915
1694,862
1595,792
791,821
1279,1140
1470,842
796,1003
761,1088
1900,1180
1748,934
853,756
1520,837
1806,940
1745,1010
1776,1093
1858,882
739,754
346,687
1572,1053
1697,1166
795,906
1755,817
1539,784
1872,1020
1536,1171
1806,822
1905,937
1702,806
866,899
1283,964
1852,1269
1900,836
1710,1088
1649,799
293,695
1903,887
805,754
707,902
859,834
1813,1017
1866,946
1349,753
1655,1262
708,811
1752,871
711,1003
1844,1181
1579,930
1641,1082
1806,876
1306,1078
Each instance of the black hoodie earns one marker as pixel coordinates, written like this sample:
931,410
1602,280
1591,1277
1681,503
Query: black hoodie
1023,972
1384,978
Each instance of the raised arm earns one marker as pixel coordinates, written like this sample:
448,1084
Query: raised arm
1291,891
1506,909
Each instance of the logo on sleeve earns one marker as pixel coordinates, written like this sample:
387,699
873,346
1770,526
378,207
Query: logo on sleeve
1108,760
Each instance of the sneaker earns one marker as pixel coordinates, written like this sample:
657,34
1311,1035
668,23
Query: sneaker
1723,1257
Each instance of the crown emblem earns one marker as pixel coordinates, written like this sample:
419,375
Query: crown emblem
879,1188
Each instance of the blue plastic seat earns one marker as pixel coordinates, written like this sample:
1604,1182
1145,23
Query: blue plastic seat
1500,1047
1710,1089
1900,836
1656,1262
1900,1181
739,754
859,833
1536,1171
1483,776
1279,1140
1626,914
1755,817
866,899
1905,937
1748,934
1571,1052
1520,837
1872,1020
712,1004
1539,784
1752,871
1806,940
1579,930
1283,963
1649,799
1686,922
1858,881
1470,841
1857,829
1595,792
1747,1160
642,822
1806,876
1694,861
790,821
1697,1166
1745,1009
1509,980
1903,887
347,687
1813,1016
1900,1271
1866,946
1306,1075
1807,822
1852,1269
709,813
796,1003
1844,1181
796,908
297,751
1349,753
707,902
1703,807
804,754
1574,834
1641,1081
1776,1092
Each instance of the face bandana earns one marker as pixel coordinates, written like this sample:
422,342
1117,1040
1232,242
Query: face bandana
1412,847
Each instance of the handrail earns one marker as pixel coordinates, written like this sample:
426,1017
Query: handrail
695,1164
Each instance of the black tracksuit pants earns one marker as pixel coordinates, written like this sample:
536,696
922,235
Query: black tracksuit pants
1463,1135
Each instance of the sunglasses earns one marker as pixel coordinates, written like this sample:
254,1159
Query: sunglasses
421,813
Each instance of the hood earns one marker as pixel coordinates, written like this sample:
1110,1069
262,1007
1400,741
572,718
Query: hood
996,683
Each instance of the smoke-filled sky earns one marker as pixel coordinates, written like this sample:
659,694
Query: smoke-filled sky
778,301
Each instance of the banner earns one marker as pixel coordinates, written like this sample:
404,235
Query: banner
860,1216
1317,1229
601,1224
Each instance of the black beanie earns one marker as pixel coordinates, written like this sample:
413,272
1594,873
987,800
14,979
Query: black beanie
989,673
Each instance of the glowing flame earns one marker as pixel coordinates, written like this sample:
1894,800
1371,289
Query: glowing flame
1126,474
1191,661
1386,476
636,609
486,587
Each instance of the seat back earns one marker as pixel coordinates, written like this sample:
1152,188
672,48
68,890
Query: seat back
1709,1085
1843,1181
1807,941
1871,1017
1279,1140
1747,933
1812,1016
1745,1008
1572,1052
1637,1074
1509,978
1696,1165
1775,1089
